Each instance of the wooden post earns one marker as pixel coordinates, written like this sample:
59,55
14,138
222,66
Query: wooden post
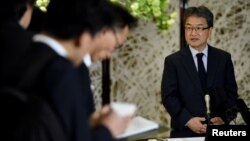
183,6
105,82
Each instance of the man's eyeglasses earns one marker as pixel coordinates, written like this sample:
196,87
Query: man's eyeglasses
197,29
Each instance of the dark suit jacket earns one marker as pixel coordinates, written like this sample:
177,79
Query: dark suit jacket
182,94
14,43
63,87
86,82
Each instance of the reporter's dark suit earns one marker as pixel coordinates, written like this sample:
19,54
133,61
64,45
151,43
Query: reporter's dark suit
86,82
182,94
67,91
14,42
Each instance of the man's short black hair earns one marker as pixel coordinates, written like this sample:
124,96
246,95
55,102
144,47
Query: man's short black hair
14,9
68,19
200,11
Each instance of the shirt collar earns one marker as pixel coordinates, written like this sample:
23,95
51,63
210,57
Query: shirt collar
194,51
87,60
52,43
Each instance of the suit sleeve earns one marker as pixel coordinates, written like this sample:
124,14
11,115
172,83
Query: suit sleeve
170,96
101,133
230,83
68,99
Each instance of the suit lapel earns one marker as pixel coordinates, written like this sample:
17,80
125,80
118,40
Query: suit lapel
212,64
188,63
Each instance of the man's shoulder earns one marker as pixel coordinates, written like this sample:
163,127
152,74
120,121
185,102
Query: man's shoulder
178,54
174,54
219,51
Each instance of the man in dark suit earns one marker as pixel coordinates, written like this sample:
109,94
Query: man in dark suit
14,38
186,79
124,21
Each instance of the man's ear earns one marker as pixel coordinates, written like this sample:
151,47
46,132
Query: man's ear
210,31
84,39
26,17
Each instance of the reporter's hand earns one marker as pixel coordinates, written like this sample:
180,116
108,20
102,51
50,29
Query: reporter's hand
115,123
97,116
195,124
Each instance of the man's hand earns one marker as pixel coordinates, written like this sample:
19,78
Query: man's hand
217,121
110,119
195,124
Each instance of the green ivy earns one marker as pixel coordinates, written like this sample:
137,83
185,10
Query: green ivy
42,4
155,10
146,10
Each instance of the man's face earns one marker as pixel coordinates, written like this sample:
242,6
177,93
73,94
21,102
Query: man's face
108,40
197,32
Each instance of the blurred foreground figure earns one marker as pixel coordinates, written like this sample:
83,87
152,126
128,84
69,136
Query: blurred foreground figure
73,30
15,18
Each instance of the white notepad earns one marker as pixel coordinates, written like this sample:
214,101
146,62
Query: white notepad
123,109
139,125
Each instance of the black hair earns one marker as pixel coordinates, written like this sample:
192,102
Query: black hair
200,11
121,15
68,19
37,20
14,9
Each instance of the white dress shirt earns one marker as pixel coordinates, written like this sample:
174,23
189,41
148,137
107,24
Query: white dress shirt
204,57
